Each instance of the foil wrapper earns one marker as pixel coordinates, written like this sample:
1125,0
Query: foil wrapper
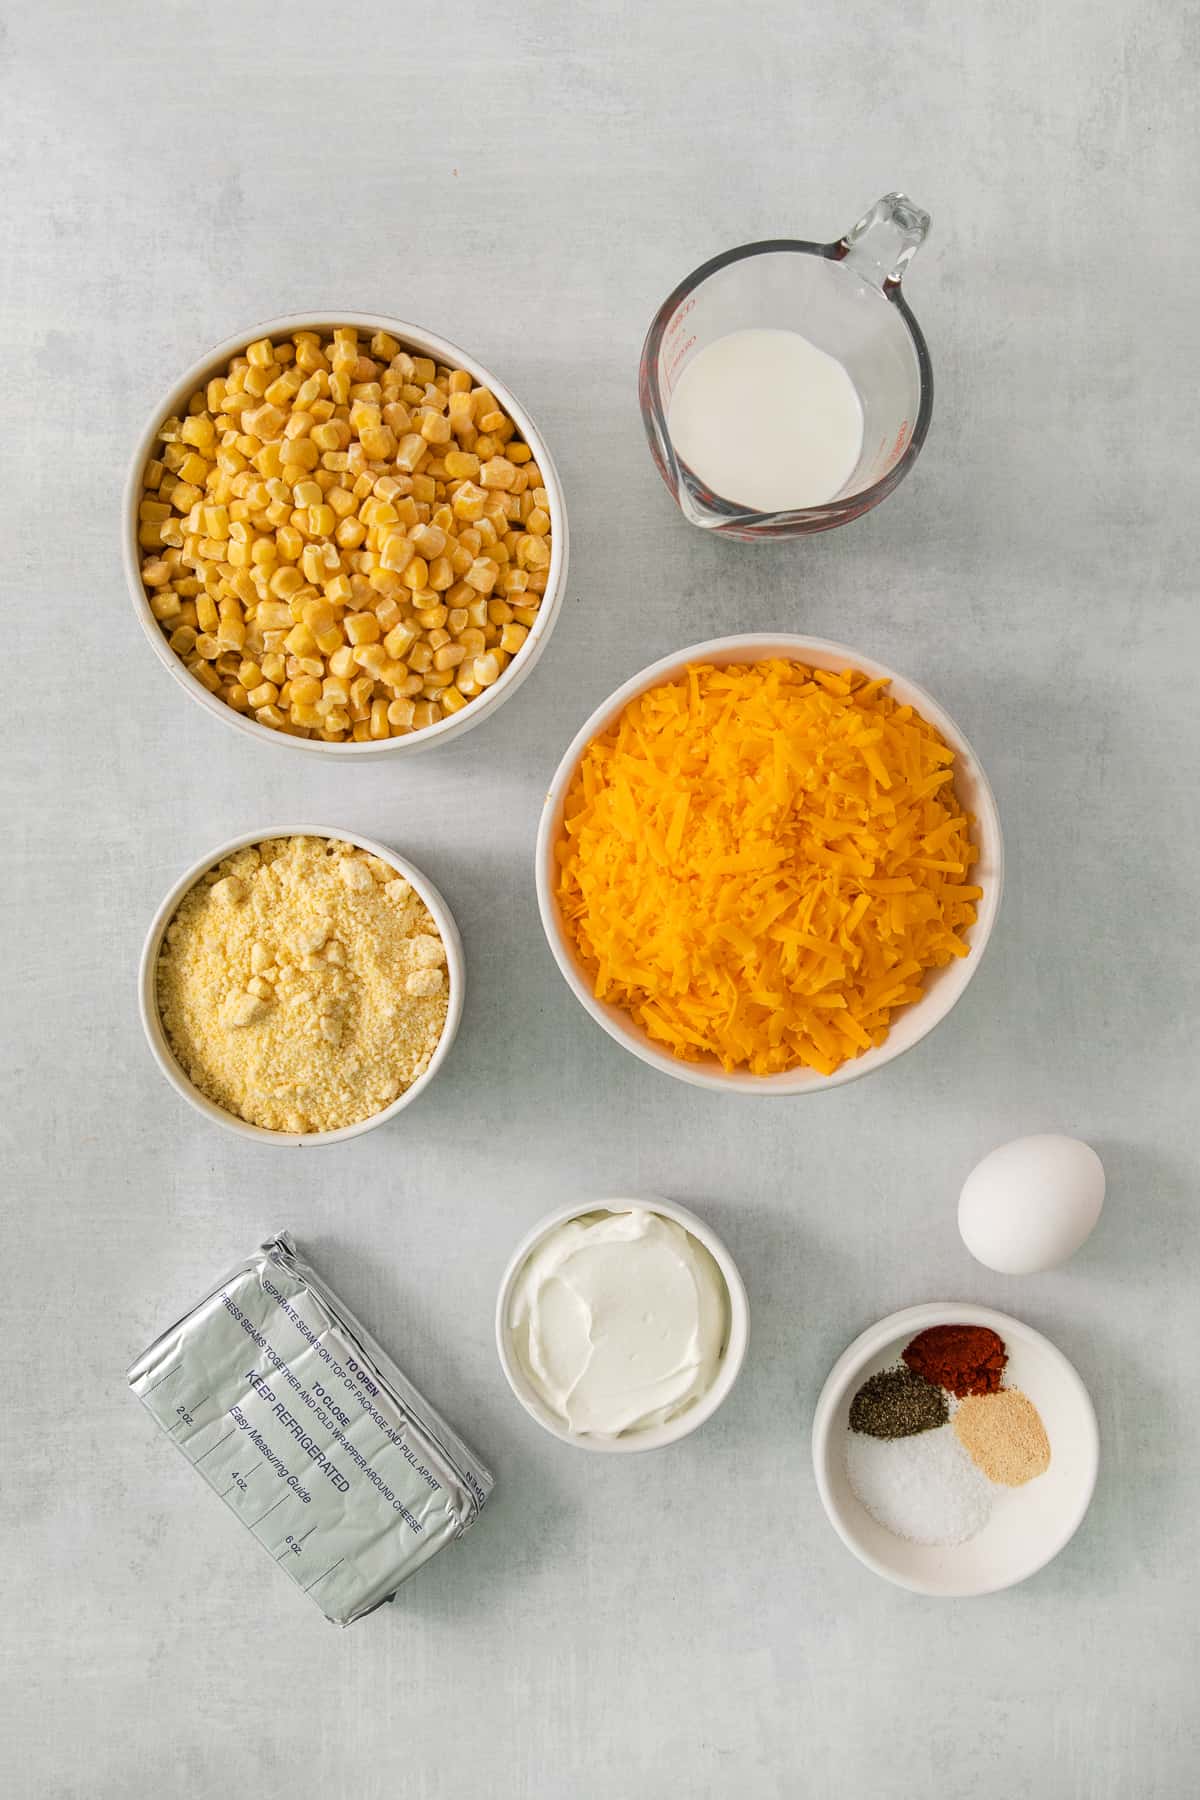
309,1432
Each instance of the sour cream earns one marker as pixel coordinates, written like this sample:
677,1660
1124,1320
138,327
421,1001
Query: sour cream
618,1321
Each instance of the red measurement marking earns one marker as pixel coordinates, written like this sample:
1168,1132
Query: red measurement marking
679,356
682,313
669,378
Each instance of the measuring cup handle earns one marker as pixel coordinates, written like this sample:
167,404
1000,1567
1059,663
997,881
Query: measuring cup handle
885,240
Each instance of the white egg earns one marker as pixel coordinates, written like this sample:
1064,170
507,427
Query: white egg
1031,1203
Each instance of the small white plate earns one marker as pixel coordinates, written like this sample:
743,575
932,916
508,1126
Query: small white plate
1029,1524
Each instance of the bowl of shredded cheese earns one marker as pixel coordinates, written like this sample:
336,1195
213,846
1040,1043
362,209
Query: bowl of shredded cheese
769,864
301,984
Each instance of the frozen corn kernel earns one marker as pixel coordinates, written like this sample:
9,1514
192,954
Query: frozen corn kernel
468,502
343,545
461,465
482,575
497,472
362,628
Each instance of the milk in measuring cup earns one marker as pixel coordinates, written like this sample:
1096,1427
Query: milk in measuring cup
767,420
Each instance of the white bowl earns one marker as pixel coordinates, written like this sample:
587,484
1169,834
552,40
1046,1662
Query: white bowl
1029,1524
943,987
152,1023
731,1361
424,343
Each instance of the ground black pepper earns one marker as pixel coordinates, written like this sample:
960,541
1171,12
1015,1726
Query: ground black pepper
897,1403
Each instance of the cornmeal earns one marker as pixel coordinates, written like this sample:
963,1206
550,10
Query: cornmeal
302,985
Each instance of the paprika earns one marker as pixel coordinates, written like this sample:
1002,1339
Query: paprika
966,1359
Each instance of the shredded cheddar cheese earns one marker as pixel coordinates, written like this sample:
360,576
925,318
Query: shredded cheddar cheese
760,862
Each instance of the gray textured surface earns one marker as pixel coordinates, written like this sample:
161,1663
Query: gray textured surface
532,181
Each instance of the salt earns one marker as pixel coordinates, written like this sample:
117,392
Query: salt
923,1488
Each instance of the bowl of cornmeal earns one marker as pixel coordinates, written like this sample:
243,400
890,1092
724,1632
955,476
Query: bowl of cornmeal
301,984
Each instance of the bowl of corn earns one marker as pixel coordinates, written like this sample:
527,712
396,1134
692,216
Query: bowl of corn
769,865
344,533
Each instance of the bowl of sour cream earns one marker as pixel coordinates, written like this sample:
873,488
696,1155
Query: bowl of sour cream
621,1324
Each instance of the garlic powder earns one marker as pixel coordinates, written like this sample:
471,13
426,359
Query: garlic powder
302,985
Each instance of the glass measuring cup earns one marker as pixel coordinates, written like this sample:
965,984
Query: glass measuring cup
845,298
